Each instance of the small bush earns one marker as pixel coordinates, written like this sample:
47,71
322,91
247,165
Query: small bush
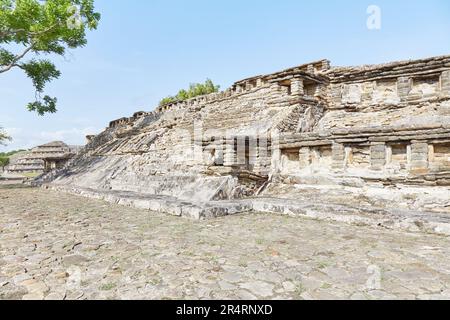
195,90
4,161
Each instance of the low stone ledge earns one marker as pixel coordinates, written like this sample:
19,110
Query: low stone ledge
160,204
412,221
390,218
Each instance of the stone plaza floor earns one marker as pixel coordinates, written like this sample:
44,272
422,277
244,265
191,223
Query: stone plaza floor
59,246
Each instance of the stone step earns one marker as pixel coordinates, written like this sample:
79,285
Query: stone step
390,218
162,204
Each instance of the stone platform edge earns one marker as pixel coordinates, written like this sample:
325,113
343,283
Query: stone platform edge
406,220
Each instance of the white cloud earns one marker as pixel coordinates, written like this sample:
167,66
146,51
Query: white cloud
14,131
21,139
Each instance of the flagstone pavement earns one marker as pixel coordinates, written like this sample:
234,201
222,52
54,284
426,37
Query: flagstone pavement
58,246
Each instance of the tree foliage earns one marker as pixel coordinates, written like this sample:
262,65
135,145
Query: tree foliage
3,137
195,89
4,161
31,29
11,153
5,157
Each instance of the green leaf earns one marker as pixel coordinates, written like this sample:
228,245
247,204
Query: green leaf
46,105
6,57
40,72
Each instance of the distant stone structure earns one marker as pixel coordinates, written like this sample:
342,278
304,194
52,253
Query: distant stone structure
44,158
372,139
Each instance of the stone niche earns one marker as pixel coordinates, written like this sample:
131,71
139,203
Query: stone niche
352,93
213,155
386,92
286,86
296,160
445,83
335,93
243,152
290,160
322,157
425,87
357,157
398,156
246,153
439,156
310,88
251,84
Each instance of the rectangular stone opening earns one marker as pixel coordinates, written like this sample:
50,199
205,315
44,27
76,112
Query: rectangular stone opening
290,160
386,91
251,84
440,156
291,154
310,88
286,85
397,155
322,156
245,149
425,86
214,155
357,156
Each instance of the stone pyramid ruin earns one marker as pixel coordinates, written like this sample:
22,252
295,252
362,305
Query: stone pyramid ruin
44,158
367,144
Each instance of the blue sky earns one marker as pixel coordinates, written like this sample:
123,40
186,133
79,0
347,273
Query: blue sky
145,50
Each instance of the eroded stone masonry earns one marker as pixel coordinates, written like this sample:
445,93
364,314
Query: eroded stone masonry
368,144
44,158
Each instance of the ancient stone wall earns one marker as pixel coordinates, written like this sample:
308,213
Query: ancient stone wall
386,121
385,124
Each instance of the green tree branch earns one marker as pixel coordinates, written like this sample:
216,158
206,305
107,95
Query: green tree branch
42,28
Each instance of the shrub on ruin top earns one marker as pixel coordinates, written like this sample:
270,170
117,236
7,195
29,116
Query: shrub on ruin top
4,161
195,90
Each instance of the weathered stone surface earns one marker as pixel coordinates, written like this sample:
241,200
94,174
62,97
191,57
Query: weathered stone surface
445,83
404,87
75,259
380,128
